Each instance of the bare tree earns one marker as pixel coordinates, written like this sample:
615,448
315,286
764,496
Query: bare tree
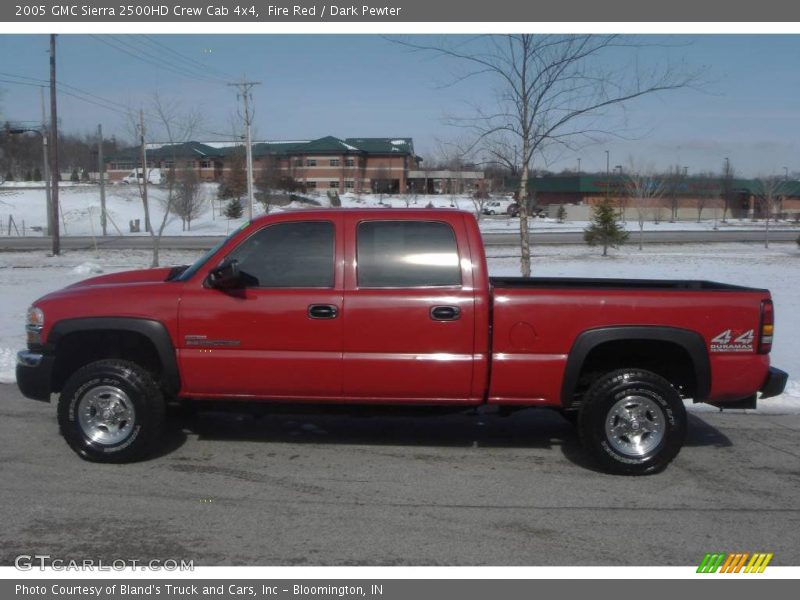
768,192
551,90
189,201
382,182
175,127
269,180
646,190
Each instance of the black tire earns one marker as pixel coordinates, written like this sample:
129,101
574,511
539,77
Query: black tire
633,422
111,411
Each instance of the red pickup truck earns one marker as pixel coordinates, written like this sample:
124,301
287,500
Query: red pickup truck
392,307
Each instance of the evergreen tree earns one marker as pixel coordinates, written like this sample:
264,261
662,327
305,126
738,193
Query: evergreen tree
28,176
74,177
561,214
604,230
84,175
233,210
37,174
9,176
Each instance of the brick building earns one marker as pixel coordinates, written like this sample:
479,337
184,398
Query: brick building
687,196
379,165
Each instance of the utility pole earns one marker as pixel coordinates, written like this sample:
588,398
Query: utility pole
244,93
102,170
54,232
147,227
46,164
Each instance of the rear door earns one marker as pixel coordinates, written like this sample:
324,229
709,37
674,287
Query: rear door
409,318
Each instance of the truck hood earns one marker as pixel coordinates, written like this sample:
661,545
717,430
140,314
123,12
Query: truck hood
138,276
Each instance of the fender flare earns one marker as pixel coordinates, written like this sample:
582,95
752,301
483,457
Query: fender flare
690,341
154,331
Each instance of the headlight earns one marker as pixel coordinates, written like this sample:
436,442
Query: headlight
34,323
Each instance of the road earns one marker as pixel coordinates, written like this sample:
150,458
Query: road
455,490
491,239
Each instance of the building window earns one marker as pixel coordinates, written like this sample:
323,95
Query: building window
334,162
349,184
333,184
349,162
311,185
205,164
311,162
297,162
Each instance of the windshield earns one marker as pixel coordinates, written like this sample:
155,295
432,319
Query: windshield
189,273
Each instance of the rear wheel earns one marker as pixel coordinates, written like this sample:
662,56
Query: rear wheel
633,422
111,411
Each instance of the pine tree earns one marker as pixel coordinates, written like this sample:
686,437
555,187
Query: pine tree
233,210
604,230
561,215
37,174
9,176
74,177
28,176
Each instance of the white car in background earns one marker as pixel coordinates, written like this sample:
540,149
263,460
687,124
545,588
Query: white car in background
496,207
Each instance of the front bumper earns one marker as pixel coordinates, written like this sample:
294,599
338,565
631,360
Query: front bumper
774,384
34,371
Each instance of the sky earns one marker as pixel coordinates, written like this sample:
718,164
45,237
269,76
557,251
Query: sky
312,85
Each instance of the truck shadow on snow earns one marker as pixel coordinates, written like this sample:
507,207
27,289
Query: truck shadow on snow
533,428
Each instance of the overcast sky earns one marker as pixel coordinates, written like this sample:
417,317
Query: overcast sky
364,85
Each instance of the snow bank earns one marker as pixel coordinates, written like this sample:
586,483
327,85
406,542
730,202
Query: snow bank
80,208
8,361
87,268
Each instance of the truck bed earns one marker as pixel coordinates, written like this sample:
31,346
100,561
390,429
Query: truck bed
617,284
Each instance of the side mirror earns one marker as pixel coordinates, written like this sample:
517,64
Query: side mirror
224,277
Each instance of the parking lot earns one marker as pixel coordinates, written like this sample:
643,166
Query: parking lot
455,490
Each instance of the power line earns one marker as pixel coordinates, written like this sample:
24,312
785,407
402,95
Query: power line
150,59
193,72
93,99
186,59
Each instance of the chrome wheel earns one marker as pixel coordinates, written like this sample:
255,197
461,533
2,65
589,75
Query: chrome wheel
106,415
635,425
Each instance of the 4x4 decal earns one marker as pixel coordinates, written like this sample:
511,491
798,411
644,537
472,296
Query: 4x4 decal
733,340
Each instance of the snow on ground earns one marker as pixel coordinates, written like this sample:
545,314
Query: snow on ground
80,210
27,276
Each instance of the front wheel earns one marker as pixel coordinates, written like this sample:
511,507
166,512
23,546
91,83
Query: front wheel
111,411
633,422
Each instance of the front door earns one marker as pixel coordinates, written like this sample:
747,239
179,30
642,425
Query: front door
277,336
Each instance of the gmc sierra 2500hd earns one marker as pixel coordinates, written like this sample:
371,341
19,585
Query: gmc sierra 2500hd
392,307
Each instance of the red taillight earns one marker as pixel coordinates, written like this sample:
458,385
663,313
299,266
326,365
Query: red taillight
767,327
